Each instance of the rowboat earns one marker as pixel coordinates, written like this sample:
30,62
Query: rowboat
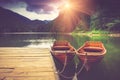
91,52
63,51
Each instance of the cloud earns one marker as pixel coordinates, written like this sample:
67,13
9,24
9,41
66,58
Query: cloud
37,6
41,6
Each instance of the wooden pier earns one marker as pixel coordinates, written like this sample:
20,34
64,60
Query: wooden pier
17,63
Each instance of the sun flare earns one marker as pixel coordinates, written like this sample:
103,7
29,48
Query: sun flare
67,5
71,14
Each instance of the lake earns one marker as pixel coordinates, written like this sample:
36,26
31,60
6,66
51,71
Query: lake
107,69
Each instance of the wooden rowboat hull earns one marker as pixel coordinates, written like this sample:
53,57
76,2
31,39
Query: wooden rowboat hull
62,56
91,52
91,58
62,51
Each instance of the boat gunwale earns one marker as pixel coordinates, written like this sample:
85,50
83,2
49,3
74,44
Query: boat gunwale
60,50
63,51
92,53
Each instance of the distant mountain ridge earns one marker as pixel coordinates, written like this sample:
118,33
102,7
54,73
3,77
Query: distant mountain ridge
13,22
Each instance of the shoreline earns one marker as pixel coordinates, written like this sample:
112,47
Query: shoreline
47,33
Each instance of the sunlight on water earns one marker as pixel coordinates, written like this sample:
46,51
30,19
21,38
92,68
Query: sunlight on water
40,43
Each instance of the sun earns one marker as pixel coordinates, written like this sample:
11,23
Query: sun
67,5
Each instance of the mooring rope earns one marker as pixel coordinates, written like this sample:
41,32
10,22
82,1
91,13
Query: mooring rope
77,73
67,77
85,62
60,73
63,69
64,66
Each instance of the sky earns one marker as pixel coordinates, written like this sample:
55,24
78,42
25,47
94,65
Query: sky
38,9
50,9
34,9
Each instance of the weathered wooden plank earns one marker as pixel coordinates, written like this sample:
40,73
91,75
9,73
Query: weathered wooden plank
33,69
37,73
22,49
21,52
14,65
24,55
25,64
6,70
25,69
20,73
29,78
27,72
25,59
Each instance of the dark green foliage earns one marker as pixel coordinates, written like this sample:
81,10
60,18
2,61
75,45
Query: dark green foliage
106,17
101,22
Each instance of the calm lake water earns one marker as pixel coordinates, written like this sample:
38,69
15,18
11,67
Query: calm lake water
107,69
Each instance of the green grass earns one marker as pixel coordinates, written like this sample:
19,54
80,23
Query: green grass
99,32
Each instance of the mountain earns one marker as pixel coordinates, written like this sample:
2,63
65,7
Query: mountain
13,22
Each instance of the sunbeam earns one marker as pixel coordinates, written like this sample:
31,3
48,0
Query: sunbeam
71,14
